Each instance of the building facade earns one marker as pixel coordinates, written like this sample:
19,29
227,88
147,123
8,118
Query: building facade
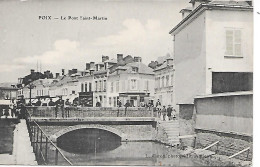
213,50
164,82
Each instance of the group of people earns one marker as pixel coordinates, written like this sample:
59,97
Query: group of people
165,113
16,109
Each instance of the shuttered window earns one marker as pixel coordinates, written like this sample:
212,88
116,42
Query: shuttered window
233,43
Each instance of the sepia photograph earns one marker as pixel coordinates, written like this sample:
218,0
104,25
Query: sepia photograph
126,82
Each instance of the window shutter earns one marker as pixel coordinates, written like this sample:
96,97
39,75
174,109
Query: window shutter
229,42
237,42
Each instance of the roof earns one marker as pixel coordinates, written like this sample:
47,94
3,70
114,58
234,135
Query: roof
239,93
215,5
189,9
142,68
111,61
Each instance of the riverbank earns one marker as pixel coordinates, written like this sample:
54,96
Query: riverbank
211,159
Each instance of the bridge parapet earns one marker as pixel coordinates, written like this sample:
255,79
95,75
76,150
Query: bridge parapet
82,112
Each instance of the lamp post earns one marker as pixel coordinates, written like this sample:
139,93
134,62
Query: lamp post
30,86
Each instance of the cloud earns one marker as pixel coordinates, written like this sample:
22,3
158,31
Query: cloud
148,40
10,67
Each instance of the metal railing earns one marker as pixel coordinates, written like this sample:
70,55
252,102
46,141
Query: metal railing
46,152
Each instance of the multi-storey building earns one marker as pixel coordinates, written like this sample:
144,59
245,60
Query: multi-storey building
213,49
133,82
164,77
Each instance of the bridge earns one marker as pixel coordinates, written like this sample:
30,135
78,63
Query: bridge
88,125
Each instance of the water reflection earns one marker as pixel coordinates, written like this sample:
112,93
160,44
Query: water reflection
133,154
84,141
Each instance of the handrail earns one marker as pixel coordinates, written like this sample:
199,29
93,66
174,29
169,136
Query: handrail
248,148
210,145
53,144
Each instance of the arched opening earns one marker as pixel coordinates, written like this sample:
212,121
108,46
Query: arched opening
88,140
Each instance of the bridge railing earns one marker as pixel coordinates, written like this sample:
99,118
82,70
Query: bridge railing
46,152
83,112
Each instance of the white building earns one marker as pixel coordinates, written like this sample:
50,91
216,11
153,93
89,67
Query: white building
213,49
133,82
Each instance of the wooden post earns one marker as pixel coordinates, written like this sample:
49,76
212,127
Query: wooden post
46,149
56,156
247,156
194,144
41,143
37,140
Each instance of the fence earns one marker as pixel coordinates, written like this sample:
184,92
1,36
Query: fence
82,112
46,152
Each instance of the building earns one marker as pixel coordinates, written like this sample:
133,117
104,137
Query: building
8,92
213,58
164,77
213,50
133,82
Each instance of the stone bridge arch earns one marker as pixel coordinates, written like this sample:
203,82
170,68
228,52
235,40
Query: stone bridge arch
55,136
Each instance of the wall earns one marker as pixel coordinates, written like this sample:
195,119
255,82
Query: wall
131,131
49,112
227,113
190,60
217,21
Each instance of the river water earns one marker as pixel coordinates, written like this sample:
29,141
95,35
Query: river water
98,147
133,153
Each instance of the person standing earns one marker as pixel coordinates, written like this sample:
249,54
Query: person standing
119,104
51,103
59,105
169,112
38,103
164,113
127,104
67,108
12,106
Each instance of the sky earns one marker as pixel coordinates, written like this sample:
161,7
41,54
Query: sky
137,28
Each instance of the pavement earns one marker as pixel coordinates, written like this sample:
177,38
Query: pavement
22,149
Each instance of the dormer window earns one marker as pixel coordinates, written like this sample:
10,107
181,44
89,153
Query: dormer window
135,69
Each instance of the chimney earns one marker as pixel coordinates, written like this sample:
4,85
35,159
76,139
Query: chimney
185,12
92,65
69,72
137,59
105,58
32,71
62,71
87,66
119,58
169,61
74,71
57,75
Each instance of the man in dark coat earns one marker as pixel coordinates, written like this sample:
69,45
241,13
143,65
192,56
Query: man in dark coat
59,105
169,112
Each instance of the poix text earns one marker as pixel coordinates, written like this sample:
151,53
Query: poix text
72,18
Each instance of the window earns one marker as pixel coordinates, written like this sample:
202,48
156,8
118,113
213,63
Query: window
112,86
73,92
135,69
159,82
133,84
162,81
90,87
146,85
82,87
172,80
110,101
123,85
115,102
167,80
233,42
96,85
100,86
117,86
105,85
86,87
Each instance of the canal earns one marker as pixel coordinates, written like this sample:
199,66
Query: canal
99,147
